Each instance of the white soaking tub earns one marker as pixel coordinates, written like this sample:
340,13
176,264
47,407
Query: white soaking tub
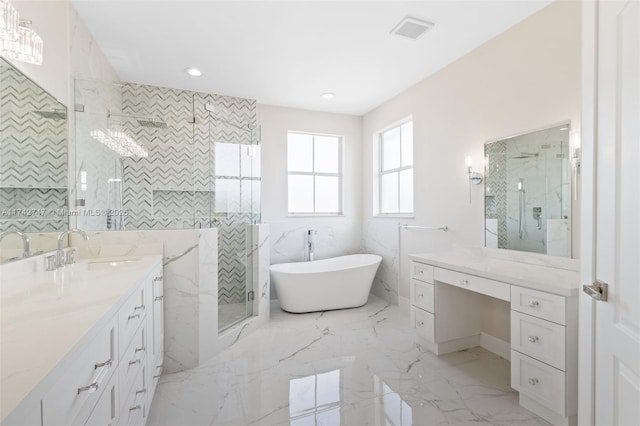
322,285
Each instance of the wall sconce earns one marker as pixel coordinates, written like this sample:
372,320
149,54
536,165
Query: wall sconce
475,178
17,39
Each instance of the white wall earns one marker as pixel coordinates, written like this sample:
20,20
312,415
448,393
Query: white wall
524,79
336,235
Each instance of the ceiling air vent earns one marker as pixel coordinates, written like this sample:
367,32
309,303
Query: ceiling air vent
411,27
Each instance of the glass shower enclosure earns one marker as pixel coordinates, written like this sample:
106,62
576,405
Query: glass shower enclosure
155,158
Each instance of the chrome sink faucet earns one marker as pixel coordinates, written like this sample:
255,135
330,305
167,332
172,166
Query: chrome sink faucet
60,254
25,241
309,252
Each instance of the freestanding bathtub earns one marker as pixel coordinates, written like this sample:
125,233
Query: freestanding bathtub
322,285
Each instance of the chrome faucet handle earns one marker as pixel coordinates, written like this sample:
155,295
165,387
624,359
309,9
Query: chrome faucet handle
71,254
51,262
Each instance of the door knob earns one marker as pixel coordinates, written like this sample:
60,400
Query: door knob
598,290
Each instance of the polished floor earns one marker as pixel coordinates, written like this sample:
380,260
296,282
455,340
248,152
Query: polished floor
350,367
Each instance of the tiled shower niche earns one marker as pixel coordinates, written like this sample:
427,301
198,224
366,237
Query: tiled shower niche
198,167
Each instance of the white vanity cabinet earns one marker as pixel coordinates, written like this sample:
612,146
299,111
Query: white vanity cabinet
544,353
447,294
109,376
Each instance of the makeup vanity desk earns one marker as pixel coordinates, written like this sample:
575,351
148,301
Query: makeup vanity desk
448,294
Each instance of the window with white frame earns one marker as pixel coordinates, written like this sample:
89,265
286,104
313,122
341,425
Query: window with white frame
393,166
314,173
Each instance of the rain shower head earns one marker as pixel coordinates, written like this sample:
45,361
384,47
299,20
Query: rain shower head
150,122
524,155
56,114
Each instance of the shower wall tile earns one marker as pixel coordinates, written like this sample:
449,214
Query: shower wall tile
33,156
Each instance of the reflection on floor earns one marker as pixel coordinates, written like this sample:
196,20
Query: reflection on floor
231,313
352,367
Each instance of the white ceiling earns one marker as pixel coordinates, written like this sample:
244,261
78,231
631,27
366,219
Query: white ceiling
289,52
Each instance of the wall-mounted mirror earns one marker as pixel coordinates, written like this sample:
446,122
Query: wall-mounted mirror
33,164
528,192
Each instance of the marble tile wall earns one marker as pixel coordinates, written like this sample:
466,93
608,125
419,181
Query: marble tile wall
190,258
190,286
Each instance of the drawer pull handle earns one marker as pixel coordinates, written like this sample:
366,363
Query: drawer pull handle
420,323
420,272
158,298
420,295
107,363
142,349
135,361
533,382
533,303
159,373
138,308
464,282
135,407
157,279
139,391
130,317
533,339
90,388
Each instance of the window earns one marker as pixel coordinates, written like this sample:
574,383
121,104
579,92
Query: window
237,173
393,166
314,172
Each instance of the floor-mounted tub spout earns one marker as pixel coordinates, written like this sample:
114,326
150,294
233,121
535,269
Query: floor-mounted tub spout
309,252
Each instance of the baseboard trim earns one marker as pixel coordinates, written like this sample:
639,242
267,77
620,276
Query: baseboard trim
495,345
456,345
542,411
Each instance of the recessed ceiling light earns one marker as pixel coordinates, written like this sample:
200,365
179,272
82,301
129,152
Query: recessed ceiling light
328,95
194,72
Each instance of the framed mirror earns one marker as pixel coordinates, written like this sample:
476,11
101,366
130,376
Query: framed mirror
528,192
33,164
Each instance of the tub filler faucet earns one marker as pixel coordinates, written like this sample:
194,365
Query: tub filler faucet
309,253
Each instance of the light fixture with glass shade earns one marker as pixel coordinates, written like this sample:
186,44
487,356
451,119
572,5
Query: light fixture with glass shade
18,40
9,21
28,47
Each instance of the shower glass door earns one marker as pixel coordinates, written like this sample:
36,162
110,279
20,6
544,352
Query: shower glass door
234,159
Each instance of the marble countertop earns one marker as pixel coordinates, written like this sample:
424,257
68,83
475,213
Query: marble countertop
54,314
563,282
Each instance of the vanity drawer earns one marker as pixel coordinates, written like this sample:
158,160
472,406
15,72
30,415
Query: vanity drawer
422,272
539,304
106,410
133,410
131,315
540,339
423,322
539,381
81,385
481,285
423,295
133,361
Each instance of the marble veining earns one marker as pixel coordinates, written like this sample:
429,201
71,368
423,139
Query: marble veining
354,367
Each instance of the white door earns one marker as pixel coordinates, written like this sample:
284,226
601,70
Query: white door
616,322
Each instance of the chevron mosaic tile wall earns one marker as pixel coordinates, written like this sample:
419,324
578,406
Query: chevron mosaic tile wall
175,185
33,156
496,187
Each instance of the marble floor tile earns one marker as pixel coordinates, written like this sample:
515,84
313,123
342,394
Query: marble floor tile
349,367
